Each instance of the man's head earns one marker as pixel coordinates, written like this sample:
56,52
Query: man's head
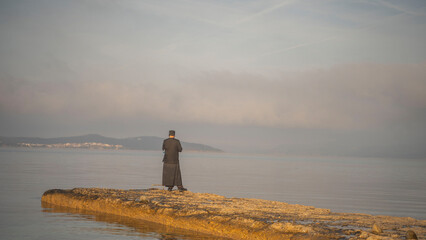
172,133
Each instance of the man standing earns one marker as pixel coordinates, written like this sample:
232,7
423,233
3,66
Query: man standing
171,169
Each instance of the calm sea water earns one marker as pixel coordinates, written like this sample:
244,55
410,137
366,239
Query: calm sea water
374,186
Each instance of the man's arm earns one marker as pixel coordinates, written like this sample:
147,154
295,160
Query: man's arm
179,146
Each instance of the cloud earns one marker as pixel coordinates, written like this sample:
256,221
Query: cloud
399,8
342,34
352,110
263,12
344,97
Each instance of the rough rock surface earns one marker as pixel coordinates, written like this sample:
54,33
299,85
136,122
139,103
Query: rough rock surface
236,218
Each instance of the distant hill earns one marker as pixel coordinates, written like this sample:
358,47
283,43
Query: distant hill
100,142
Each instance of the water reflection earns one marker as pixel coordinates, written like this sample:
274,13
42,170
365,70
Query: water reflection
118,225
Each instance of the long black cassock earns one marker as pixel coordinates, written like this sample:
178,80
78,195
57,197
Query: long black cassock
171,168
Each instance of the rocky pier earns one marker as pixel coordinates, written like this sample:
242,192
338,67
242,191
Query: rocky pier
236,218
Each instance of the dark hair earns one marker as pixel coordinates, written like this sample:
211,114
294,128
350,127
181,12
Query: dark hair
172,133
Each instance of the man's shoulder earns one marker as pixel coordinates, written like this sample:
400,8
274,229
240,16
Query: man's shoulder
171,140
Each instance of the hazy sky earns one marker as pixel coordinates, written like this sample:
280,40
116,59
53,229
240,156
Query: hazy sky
331,77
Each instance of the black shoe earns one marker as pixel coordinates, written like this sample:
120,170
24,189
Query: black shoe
170,189
182,189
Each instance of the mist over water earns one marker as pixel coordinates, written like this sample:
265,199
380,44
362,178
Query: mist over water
375,186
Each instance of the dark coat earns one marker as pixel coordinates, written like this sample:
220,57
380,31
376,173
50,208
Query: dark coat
171,148
171,175
171,168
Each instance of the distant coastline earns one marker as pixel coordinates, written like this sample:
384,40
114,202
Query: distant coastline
95,141
86,145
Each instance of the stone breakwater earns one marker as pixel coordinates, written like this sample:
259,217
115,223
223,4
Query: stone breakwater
236,218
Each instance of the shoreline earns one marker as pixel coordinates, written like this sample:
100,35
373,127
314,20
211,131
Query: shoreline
105,149
235,218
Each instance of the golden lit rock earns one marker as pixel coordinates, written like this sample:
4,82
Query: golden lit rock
235,218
